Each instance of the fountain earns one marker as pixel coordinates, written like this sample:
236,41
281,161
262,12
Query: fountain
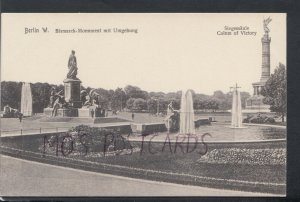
187,120
26,100
183,121
236,112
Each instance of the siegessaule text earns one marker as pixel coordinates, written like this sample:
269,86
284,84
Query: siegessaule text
236,30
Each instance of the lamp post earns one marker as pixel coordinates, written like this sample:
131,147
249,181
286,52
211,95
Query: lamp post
157,101
157,106
121,99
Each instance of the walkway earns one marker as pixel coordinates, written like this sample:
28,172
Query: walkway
25,178
33,127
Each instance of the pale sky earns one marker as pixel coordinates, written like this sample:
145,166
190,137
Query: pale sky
170,52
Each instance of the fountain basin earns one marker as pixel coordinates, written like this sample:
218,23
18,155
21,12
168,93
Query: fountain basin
240,127
221,132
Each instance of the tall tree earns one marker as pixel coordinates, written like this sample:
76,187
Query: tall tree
140,104
219,95
136,92
41,96
118,101
11,94
104,97
129,103
275,91
151,105
244,97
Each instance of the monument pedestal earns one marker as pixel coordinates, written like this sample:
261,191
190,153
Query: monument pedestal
73,112
91,112
72,92
255,104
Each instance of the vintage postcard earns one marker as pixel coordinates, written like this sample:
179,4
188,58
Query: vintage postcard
125,104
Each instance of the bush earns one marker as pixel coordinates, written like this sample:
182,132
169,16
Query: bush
259,119
83,140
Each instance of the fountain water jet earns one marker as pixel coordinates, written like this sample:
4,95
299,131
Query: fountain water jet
187,124
236,112
26,100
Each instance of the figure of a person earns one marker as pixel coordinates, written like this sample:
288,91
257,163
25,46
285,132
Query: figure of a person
72,65
52,97
57,104
132,116
20,116
92,113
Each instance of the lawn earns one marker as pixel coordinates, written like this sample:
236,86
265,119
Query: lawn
158,161
34,124
150,118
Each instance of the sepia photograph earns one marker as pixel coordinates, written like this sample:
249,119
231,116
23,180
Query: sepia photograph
143,104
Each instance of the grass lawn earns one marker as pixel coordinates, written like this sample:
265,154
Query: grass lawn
149,118
33,124
159,161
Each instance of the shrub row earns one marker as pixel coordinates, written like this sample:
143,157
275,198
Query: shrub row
246,156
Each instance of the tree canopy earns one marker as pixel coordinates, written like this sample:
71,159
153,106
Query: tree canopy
275,91
129,97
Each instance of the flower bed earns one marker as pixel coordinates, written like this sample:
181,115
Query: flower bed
84,140
276,156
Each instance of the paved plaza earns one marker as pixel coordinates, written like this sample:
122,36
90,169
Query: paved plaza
26,178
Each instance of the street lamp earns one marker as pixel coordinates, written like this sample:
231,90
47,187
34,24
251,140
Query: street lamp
157,106
121,99
157,100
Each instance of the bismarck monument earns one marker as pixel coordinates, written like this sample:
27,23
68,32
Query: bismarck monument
255,102
75,102
72,83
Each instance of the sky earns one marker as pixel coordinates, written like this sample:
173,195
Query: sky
169,52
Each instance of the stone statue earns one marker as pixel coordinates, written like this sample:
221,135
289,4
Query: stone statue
72,65
266,22
170,108
90,98
53,96
174,122
9,112
172,118
83,95
58,103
